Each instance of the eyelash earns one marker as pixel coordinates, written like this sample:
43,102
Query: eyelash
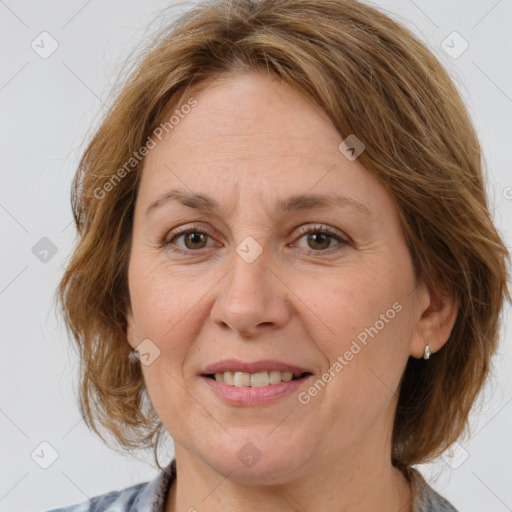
317,229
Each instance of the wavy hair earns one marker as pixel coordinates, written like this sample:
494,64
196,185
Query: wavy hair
374,79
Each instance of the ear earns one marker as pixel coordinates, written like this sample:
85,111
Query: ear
438,311
131,335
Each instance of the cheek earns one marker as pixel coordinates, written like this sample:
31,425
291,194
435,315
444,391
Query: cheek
351,300
164,310
165,306
160,297
366,314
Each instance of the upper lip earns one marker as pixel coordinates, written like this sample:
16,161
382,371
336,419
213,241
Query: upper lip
235,365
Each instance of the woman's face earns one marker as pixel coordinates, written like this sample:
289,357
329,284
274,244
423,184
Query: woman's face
248,283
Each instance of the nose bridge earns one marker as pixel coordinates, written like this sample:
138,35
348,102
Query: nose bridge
251,297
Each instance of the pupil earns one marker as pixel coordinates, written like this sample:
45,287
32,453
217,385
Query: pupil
313,236
195,238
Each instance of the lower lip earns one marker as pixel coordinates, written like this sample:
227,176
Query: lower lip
249,396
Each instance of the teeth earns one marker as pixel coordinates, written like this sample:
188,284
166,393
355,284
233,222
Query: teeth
241,379
259,379
274,377
254,380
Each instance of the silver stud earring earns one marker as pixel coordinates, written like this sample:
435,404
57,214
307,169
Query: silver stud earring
427,352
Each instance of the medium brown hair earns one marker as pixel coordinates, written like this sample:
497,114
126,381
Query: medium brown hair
375,80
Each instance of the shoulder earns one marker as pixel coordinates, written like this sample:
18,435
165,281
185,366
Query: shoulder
115,501
426,499
143,497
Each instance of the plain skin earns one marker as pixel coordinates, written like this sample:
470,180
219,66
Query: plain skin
250,142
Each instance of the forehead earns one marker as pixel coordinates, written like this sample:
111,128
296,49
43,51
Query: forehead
252,134
254,114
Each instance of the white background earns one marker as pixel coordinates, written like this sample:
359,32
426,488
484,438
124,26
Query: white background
49,107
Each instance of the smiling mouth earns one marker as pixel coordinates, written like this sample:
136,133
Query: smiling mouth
260,379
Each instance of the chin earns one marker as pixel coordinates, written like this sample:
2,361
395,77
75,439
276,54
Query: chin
257,463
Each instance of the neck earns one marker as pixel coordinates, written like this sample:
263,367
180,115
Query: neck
361,482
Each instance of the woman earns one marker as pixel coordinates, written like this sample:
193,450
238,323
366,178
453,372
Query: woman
286,261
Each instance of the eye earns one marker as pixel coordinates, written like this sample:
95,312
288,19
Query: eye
319,238
193,237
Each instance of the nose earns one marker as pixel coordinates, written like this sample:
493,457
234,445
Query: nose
253,299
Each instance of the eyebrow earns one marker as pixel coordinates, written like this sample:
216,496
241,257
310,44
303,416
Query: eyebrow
300,202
